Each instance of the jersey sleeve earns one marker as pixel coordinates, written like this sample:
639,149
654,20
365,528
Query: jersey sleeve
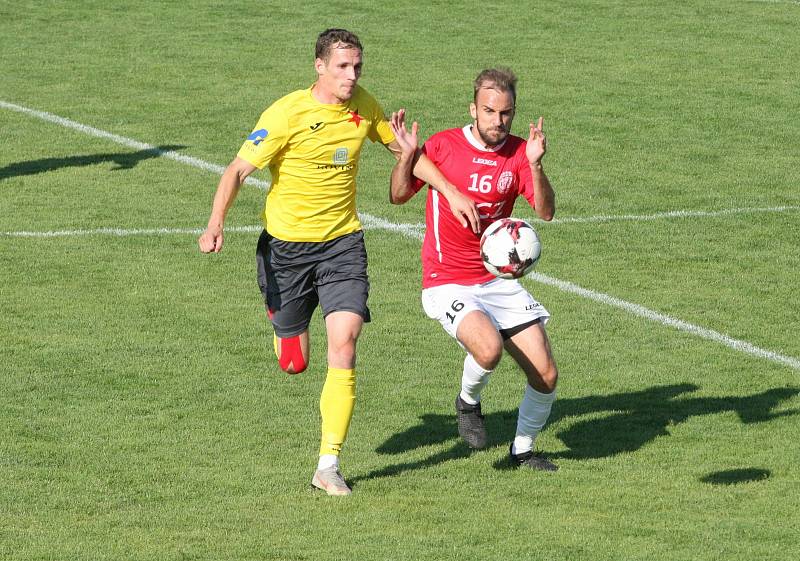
380,131
267,139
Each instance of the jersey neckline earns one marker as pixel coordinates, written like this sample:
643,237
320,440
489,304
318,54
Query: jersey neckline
467,130
341,106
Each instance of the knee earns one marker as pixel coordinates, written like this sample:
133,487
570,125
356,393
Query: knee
488,355
343,329
291,357
291,368
549,378
343,344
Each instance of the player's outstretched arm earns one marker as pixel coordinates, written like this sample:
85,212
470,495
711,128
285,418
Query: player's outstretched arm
212,239
543,195
405,147
462,207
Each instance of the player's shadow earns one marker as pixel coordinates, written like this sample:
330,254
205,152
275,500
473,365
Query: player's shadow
736,476
122,161
595,426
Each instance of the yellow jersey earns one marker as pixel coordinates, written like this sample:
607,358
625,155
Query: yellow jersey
312,151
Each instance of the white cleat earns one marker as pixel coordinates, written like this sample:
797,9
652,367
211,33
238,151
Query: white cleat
331,481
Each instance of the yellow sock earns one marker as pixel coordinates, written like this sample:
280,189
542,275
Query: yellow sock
336,408
275,345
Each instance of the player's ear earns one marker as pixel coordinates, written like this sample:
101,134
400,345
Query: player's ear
319,66
473,110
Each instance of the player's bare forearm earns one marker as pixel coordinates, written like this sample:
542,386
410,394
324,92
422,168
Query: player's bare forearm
462,207
227,189
544,197
406,150
400,189
430,174
427,171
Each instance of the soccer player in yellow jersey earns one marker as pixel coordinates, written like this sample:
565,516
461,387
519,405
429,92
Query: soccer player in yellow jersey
311,251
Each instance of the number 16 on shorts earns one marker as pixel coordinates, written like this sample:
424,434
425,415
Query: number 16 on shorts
440,304
455,307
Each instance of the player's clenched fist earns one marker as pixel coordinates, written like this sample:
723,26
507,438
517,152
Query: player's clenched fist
210,241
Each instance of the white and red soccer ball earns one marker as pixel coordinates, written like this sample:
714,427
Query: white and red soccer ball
510,248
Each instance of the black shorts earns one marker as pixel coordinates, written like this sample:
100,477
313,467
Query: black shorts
296,276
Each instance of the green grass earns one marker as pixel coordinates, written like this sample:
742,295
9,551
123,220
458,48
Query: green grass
143,417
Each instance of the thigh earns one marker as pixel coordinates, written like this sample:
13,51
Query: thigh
341,279
510,305
530,348
450,304
478,334
286,283
343,329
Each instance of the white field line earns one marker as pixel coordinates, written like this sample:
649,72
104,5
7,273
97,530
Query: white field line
672,214
409,230
641,311
129,142
369,221
795,2
122,232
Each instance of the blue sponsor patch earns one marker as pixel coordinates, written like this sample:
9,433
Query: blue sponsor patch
258,136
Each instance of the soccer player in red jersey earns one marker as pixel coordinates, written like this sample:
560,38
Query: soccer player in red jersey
483,313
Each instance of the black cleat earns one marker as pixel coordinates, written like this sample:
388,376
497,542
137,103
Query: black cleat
470,424
531,460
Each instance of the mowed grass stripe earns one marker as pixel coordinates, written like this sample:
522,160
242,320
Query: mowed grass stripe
414,231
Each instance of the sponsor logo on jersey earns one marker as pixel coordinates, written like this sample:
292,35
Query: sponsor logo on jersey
257,137
340,157
504,182
484,161
316,126
339,161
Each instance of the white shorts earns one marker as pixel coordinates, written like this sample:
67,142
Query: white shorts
504,301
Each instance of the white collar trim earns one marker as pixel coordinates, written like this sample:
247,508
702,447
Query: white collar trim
471,139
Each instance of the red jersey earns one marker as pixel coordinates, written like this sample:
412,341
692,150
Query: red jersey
492,178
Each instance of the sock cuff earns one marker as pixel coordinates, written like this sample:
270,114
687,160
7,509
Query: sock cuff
342,373
539,396
328,460
473,365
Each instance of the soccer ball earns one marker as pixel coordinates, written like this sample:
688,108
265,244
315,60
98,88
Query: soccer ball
510,248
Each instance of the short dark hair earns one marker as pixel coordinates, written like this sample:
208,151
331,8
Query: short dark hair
335,38
501,79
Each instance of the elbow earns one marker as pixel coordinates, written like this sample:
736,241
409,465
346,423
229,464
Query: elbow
546,210
398,199
547,213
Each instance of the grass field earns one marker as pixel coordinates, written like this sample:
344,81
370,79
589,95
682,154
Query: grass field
143,416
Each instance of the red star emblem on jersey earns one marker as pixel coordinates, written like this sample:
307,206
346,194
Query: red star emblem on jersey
355,118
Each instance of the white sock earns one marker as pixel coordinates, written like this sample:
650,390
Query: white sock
533,413
473,380
328,460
